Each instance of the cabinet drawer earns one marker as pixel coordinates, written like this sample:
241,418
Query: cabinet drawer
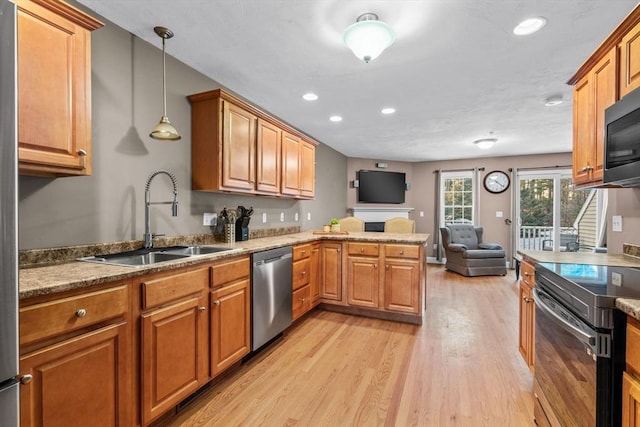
230,271
633,345
301,273
402,251
528,270
301,251
363,249
169,287
301,302
64,315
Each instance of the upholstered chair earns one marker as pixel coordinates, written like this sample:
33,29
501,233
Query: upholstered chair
399,225
351,223
468,255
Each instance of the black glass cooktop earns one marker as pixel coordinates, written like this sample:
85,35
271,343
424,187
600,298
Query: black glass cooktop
590,291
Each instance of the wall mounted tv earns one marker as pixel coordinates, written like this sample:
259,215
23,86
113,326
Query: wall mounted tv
381,187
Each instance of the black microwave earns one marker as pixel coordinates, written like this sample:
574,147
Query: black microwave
622,141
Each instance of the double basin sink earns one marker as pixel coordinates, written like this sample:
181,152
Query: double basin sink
149,256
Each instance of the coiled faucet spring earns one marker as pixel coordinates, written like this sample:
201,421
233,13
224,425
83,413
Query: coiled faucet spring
148,236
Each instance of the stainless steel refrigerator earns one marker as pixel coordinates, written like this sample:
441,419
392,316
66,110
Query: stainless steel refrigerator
9,385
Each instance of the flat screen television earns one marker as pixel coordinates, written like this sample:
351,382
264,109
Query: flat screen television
381,187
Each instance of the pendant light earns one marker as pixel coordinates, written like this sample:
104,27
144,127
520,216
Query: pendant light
368,37
164,130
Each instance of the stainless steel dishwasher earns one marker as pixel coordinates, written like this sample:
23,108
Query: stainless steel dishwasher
271,294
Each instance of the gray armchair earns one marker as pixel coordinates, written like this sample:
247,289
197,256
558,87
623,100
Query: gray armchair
467,255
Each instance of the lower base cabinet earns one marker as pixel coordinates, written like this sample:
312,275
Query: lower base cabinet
174,349
401,292
83,381
631,376
527,314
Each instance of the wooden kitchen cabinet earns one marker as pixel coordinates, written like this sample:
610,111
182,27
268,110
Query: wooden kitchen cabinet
236,147
630,61
611,72
54,88
314,267
76,359
402,278
230,313
363,274
631,376
301,280
527,314
592,95
331,271
174,349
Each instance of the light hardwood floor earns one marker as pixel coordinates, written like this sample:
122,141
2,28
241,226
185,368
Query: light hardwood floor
460,368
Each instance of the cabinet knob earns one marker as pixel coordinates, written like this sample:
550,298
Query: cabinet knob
361,249
26,379
527,299
302,299
217,302
375,265
202,308
526,273
82,152
81,313
386,266
304,273
304,251
401,251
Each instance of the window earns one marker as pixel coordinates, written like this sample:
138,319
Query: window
457,199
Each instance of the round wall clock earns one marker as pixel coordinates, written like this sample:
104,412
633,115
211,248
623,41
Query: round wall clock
496,182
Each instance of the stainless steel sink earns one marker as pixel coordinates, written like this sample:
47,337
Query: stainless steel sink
148,256
197,250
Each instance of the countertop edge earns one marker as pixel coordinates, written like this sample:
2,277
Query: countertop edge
52,279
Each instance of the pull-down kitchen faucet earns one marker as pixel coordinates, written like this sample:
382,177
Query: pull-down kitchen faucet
148,236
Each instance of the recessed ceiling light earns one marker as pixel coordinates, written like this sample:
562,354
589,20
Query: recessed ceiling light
310,96
553,100
388,110
485,143
529,26
335,118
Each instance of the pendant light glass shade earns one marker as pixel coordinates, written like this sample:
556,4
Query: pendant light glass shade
368,37
164,131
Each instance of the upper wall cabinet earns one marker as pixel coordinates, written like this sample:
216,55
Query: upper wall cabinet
611,72
54,88
238,148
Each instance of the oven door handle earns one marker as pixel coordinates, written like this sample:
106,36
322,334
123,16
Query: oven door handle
581,335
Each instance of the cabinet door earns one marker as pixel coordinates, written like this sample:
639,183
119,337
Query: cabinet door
238,147
307,169
54,91
290,164
230,325
84,381
363,279
331,266
525,336
630,61
591,96
630,401
314,267
174,355
401,286
268,158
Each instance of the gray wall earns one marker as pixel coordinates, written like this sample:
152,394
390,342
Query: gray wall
109,205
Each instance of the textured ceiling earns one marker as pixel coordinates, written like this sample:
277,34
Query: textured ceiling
455,73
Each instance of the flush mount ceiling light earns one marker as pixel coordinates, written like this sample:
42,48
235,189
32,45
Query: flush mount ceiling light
164,130
529,26
310,96
388,110
368,37
335,119
553,100
485,143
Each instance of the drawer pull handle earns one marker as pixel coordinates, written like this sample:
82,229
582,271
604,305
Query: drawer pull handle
81,313
202,308
217,302
26,379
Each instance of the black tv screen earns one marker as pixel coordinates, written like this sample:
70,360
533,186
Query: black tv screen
381,187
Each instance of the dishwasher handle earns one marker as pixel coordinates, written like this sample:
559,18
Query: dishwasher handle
272,259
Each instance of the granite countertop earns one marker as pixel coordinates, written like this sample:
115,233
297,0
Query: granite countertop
38,281
627,305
